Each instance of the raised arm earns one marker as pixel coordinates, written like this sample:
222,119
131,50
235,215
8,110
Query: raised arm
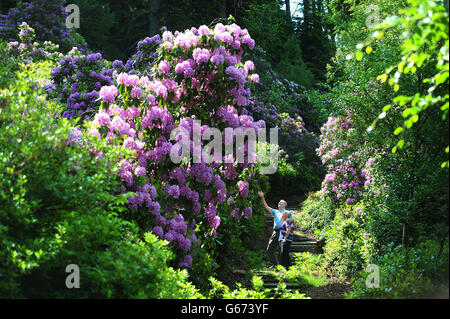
291,218
288,232
266,207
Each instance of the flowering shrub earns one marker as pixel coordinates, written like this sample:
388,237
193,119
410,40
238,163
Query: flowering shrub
180,200
290,125
279,95
349,170
47,17
77,79
76,83
145,55
27,49
419,272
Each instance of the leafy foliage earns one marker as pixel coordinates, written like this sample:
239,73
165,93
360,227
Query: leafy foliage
412,273
386,211
59,204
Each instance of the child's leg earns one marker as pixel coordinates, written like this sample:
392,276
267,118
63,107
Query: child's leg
285,258
286,250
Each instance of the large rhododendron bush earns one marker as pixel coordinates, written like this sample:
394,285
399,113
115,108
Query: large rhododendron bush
196,77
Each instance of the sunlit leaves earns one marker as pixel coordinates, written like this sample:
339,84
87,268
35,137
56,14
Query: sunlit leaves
398,130
359,55
382,77
424,40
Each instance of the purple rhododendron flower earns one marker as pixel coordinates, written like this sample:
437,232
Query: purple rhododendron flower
243,188
248,212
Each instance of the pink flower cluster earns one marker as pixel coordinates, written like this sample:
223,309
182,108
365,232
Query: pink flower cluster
108,93
140,113
349,172
224,45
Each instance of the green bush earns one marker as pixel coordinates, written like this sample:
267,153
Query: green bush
308,263
203,267
58,207
414,273
112,262
8,66
219,290
316,214
348,245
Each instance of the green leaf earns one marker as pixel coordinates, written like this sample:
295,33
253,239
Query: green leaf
382,77
398,130
359,55
407,112
408,123
441,77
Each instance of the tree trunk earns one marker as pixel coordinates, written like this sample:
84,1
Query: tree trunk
405,234
288,10
306,14
441,248
223,9
153,23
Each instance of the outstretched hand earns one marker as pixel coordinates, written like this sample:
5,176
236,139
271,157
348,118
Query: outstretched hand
261,194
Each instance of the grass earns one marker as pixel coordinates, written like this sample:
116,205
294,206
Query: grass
292,276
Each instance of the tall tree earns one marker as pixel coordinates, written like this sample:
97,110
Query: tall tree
153,23
316,44
223,8
288,10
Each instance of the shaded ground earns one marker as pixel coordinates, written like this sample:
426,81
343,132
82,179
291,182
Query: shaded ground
333,290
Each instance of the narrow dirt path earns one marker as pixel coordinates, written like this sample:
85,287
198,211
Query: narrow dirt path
333,290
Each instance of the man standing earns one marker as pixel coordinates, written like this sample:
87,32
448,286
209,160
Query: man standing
277,223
